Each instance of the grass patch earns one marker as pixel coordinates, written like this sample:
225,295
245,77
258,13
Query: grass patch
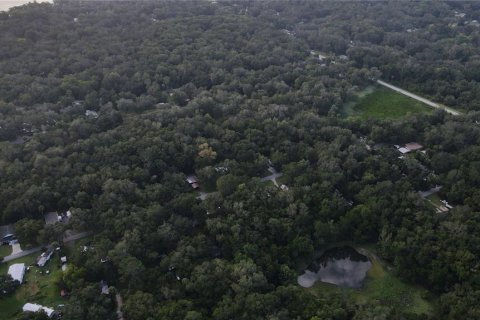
5,251
434,199
38,287
387,289
383,103
383,287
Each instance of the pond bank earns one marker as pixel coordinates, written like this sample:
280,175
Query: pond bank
381,286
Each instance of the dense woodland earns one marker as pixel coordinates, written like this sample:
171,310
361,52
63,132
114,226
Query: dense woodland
222,90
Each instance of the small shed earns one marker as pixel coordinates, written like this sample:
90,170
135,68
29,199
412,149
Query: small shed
17,271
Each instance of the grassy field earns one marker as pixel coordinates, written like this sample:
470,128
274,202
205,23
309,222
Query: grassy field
382,286
434,199
384,103
5,251
38,287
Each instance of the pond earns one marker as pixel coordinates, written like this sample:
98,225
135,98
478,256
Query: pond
342,266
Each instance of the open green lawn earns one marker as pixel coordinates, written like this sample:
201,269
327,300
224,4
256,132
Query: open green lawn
384,287
384,103
5,251
37,287
434,199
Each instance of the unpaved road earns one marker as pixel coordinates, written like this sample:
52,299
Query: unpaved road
418,98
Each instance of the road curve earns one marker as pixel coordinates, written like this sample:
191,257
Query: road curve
418,98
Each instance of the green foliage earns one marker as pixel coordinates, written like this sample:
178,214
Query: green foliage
7,285
28,231
225,90
385,103
41,315
227,184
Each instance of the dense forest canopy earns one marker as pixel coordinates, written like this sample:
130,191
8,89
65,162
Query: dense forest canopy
106,107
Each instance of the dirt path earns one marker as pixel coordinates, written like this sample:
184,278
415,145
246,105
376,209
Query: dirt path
119,299
418,98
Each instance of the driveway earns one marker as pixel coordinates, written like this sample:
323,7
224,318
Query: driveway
272,177
37,249
427,193
16,248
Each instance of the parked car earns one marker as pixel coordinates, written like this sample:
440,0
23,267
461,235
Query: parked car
7,238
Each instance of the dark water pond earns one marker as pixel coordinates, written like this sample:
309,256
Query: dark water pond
342,266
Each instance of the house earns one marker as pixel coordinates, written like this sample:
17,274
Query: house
221,169
474,23
413,146
54,217
193,181
104,287
91,114
44,258
17,271
409,147
78,103
32,307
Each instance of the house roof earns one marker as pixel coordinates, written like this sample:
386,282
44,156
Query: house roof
32,307
412,146
404,150
43,258
17,271
192,179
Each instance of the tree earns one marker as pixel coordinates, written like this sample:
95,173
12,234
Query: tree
7,285
139,305
28,231
227,184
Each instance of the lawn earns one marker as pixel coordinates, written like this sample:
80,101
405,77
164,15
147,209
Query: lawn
434,199
384,287
5,251
38,287
384,103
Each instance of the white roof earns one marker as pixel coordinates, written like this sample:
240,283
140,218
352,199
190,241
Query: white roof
192,179
404,150
17,271
32,307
